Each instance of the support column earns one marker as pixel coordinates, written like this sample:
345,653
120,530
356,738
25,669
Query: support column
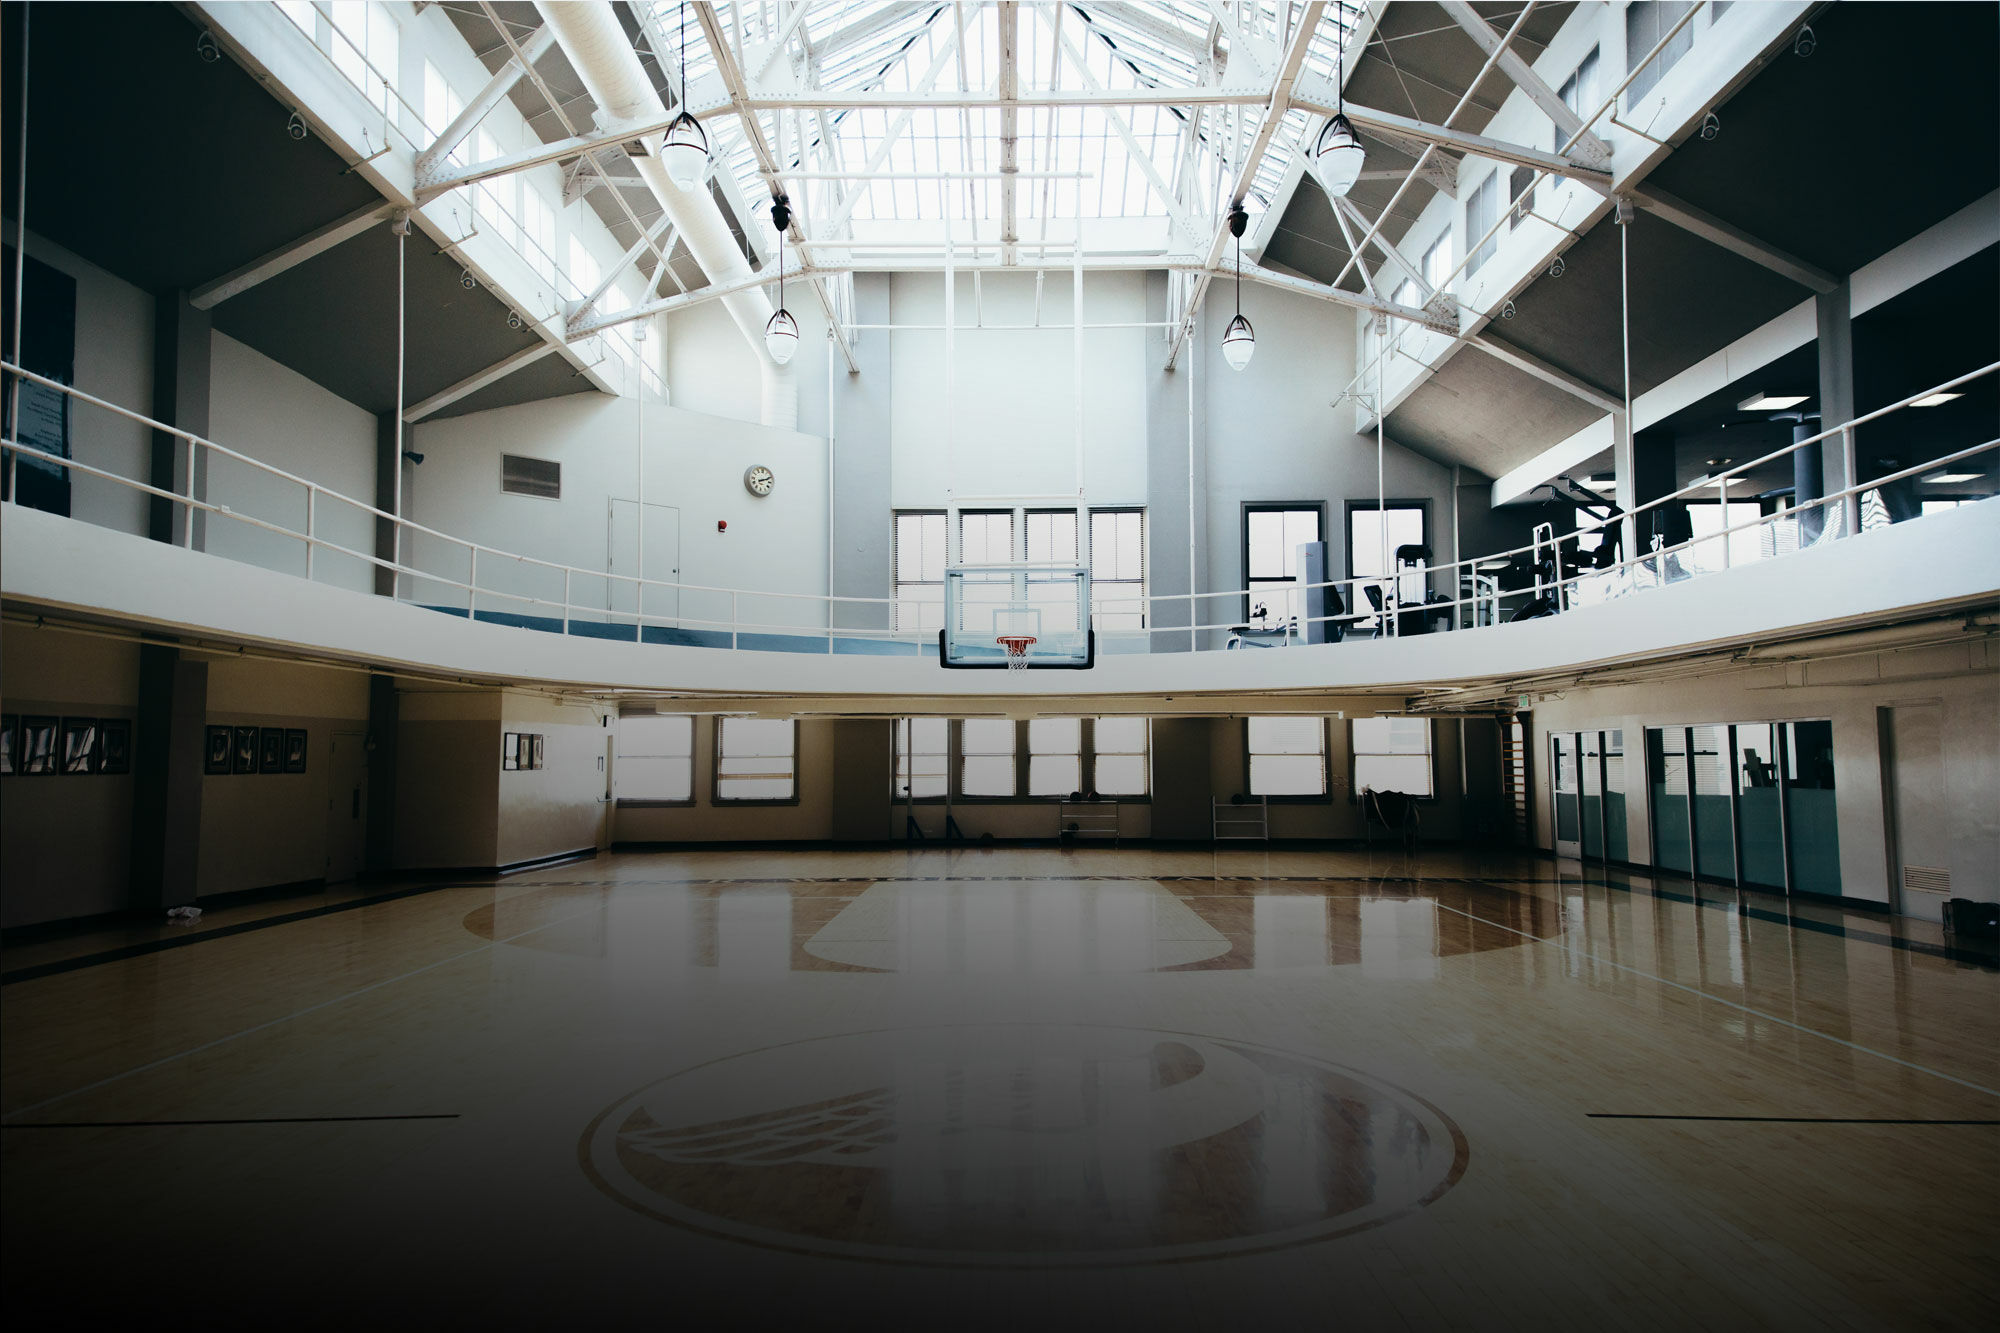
1652,477
380,749
182,352
388,461
167,775
1835,310
1625,486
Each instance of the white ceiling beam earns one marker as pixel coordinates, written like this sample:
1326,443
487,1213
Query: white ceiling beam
1586,146
490,96
1345,208
1371,120
1009,17
440,180
1276,102
1547,372
472,384
894,133
1734,239
646,241
268,266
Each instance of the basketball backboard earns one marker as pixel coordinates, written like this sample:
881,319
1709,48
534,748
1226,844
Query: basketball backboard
1048,604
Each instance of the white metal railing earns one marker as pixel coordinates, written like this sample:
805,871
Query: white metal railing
569,596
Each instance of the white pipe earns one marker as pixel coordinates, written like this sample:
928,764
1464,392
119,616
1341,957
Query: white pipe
602,55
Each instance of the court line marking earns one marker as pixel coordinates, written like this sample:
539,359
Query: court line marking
250,1120
1780,1119
298,1013
1563,941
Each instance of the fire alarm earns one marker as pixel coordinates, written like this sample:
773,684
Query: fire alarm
722,525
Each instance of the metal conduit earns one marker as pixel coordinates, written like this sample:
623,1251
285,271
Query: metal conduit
597,48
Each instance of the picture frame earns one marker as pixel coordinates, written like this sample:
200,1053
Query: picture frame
218,749
295,749
510,751
243,750
37,755
79,743
10,742
114,746
270,749
524,750
538,750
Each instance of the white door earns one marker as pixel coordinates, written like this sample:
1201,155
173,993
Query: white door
346,805
1919,828
662,554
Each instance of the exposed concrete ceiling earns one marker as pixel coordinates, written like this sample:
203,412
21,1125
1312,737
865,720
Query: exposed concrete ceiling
205,178
1476,409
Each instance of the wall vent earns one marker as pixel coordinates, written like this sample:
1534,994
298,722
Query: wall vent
531,476
1931,879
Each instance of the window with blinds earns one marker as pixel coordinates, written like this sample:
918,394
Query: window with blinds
1119,756
655,759
922,757
1287,755
1393,754
1118,568
920,561
986,757
756,759
1055,756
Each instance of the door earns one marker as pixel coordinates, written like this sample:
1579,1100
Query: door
662,550
346,805
1563,768
1919,830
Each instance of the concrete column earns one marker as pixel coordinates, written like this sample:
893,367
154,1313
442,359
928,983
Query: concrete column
1625,488
1168,434
386,463
863,529
167,776
1835,310
381,754
182,355
1652,477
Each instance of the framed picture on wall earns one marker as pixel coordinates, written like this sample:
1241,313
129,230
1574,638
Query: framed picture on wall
295,750
271,750
215,756
10,740
510,751
243,754
114,746
38,745
79,741
538,750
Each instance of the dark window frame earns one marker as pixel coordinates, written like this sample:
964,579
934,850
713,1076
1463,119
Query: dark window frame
662,803
1325,758
1250,507
715,796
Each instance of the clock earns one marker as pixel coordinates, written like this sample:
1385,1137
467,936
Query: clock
758,480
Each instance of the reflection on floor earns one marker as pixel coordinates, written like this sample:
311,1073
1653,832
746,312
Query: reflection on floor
989,1085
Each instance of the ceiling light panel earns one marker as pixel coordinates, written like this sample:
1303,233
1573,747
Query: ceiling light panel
1936,399
1771,402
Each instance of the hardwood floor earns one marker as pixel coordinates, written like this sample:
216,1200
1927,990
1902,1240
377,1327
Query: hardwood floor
985,1086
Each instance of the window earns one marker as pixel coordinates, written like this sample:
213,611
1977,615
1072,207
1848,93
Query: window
301,13
441,107
1118,756
920,562
1055,756
1287,755
1437,262
1393,754
366,46
1272,535
755,759
1118,568
922,757
1482,213
1646,21
538,228
986,757
493,198
655,758
582,266
1369,556
986,537
1520,194
1407,293
1580,93
1052,536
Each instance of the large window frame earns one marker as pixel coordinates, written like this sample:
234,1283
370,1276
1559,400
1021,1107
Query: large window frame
1360,727
1391,506
1022,758
1128,584
930,552
1250,754
629,749
1482,213
1288,602
717,777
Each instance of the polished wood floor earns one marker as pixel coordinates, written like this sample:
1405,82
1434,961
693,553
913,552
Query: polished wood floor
985,1086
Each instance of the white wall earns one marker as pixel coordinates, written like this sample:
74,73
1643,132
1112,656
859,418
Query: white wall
693,462
114,361
278,416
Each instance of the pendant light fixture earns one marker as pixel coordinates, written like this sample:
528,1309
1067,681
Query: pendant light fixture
781,332
1337,156
1239,340
684,152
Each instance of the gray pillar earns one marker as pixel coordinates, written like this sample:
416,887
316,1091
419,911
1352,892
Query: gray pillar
182,352
1836,382
381,756
386,463
862,527
1167,458
167,776
1807,475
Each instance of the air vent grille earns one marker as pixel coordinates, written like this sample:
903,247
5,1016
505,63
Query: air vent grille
1931,879
531,476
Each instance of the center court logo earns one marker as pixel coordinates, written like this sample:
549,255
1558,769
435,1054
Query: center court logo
1036,1144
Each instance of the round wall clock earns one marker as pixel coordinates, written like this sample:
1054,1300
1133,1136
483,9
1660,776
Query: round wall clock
758,480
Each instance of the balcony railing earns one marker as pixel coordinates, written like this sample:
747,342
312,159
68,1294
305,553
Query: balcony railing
1555,573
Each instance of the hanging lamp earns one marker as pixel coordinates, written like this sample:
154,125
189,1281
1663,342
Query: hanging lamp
1337,155
1239,340
781,331
684,152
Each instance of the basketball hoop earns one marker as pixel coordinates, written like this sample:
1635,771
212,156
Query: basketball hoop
1017,649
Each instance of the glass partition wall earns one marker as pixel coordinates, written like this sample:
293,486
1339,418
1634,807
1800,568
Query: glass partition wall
1589,770
1750,804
